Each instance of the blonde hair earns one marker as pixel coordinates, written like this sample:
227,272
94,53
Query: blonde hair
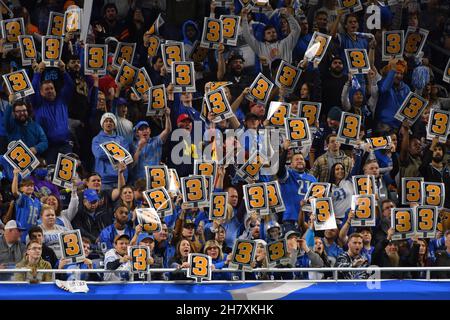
229,214
211,244
46,207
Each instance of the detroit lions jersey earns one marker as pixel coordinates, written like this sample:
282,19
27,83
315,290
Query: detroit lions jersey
111,256
342,198
293,187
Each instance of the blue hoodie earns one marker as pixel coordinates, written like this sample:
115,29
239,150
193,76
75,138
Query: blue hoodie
53,116
102,164
185,38
390,99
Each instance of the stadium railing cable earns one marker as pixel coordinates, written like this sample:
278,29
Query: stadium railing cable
374,277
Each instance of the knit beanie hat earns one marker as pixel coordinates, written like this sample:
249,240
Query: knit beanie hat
110,116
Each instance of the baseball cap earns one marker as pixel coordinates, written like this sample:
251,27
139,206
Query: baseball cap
90,195
121,101
291,233
121,236
392,242
183,117
236,55
141,124
13,224
143,236
188,222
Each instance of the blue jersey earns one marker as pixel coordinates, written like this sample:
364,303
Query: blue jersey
233,229
80,276
367,253
333,251
150,155
347,42
27,213
108,234
293,187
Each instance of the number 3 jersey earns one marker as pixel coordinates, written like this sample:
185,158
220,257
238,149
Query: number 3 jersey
293,187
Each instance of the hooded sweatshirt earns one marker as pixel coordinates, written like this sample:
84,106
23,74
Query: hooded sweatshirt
188,44
102,164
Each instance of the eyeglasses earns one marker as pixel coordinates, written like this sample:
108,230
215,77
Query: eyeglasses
35,249
21,111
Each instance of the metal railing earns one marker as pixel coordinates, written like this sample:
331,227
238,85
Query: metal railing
375,271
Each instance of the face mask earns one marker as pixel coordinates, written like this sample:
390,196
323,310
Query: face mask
40,173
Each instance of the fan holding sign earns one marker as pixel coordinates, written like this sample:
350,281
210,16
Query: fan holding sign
109,148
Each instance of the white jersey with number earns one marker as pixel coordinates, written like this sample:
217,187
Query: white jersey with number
342,198
51,238
110,256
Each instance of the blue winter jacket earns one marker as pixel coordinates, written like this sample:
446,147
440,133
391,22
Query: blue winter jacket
31,133
390,99
53,116
102,164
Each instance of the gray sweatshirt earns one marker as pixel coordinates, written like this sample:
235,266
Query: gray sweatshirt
279,49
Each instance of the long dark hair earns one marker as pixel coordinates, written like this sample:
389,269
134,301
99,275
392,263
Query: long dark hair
333,174
178,256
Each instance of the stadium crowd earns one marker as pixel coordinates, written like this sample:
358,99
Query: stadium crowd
73,113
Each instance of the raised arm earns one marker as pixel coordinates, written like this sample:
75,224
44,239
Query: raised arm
67,89
344,231
36,98
292,38
345,99
404,131
236,103
221,68
120,181
335,25
15,183
72,210
168,126
249,38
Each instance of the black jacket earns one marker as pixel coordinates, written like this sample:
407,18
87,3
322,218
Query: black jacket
381,259
91,226
49,255
442,260
431,174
